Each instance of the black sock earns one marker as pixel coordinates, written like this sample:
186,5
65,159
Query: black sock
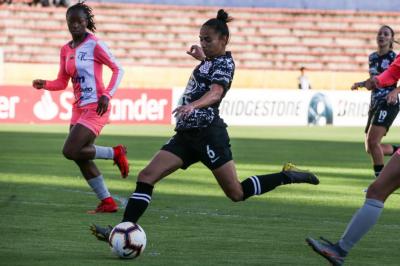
138,202
259,184
378,168
395,148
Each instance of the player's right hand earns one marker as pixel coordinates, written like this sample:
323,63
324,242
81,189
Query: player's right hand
38,84
355,86
358,85
196,52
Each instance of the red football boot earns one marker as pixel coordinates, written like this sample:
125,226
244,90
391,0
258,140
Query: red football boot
106,205
121,160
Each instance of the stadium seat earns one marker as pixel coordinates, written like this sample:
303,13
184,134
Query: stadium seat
158,35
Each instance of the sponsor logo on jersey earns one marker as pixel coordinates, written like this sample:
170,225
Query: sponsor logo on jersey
86,89
78,79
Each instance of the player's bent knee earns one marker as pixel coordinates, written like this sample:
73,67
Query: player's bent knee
69,153
372,143
375,192
367,149
235,196
148,177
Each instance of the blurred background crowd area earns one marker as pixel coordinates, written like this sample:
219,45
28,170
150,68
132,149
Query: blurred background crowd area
270,40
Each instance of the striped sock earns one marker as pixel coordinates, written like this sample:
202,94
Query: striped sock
395,148
138,202
377,169
257,185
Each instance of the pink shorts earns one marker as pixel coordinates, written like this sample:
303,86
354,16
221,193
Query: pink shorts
87,116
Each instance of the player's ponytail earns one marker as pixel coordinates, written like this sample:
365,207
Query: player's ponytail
223,16
219,24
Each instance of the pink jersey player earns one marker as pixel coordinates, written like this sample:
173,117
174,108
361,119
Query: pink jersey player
82,60
391,75
84,66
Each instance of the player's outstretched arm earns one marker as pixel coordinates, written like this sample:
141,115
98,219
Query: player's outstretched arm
358,85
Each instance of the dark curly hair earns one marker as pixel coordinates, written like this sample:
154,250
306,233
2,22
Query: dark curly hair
88,11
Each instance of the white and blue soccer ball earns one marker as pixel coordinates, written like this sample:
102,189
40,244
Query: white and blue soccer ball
127,240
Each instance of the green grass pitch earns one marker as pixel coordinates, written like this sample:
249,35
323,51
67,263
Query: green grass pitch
43,200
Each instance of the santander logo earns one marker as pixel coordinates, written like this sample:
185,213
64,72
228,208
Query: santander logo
46,108
20,104
142,108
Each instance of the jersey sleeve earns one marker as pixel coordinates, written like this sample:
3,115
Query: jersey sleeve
222,73
104,56
391,75
62,78
371,68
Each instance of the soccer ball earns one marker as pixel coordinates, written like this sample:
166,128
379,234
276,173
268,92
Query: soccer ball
127,240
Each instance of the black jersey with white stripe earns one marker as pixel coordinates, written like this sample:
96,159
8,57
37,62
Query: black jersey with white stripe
218,70
377,65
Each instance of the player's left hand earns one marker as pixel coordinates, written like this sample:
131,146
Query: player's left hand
183,111
102,105
371,84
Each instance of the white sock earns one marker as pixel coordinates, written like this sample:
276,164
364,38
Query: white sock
99,187
103,152
363,220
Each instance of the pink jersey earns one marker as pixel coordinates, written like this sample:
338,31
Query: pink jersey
391,75
84,66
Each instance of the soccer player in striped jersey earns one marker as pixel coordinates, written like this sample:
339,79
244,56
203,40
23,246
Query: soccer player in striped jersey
82,60
381,114
387,182
201,134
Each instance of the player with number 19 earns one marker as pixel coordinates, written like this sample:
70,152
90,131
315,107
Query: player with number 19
381,112
201,134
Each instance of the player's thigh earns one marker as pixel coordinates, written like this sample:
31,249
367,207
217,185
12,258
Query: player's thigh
388,180
78,137
214,148
227,179
181,145
162,164
384,115
376,133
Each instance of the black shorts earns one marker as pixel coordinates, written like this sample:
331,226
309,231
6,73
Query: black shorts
383,115
208,145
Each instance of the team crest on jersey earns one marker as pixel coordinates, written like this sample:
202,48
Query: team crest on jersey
385,63
81,56
205,67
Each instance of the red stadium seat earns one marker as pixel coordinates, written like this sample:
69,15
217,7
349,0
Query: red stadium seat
159,35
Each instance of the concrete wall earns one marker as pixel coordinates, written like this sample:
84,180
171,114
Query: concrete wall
143,77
